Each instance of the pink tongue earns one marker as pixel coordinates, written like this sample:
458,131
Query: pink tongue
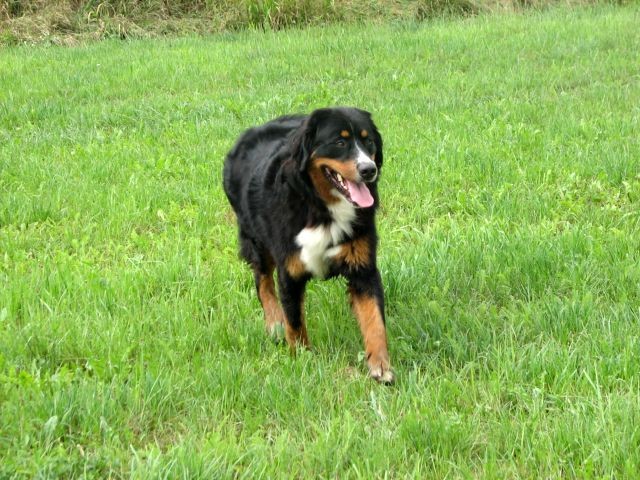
360,194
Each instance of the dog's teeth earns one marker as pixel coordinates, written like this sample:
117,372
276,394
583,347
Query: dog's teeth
339,177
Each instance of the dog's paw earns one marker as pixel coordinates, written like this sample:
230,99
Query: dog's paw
276,332
380,371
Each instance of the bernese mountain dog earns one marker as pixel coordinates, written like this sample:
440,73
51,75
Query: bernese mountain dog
304,190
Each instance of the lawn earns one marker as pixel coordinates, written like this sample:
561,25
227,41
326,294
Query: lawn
132,342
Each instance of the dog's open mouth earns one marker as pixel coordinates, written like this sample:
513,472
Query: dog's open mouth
356,192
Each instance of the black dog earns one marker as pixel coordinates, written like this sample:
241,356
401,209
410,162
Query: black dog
304,192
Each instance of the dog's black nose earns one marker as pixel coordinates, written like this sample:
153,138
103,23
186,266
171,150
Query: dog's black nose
368,171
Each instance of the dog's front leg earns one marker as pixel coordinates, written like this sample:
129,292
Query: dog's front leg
292,298
367,300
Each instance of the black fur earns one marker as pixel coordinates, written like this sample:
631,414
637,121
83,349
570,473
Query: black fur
267,181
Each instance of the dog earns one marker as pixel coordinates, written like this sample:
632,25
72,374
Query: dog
304,190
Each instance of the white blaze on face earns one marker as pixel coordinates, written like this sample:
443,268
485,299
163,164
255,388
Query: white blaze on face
362,158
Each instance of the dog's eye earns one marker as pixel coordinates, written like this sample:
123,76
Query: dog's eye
341,143
368,142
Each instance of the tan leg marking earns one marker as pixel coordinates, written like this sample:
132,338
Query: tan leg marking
369,317
273,314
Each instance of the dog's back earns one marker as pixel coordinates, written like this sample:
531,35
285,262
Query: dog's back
253,152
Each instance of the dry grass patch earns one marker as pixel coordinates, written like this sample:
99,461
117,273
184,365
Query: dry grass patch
70,21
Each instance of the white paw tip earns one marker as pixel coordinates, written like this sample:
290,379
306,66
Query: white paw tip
380,376
276,332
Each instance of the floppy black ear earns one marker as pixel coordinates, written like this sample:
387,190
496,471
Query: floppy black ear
378,142
377,138
302,141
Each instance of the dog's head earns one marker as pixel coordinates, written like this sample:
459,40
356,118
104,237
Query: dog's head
340,149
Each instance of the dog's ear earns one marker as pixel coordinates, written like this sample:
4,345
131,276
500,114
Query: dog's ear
377,138
303,139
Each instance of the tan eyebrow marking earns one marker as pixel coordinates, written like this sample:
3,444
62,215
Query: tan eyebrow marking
345,134
364,134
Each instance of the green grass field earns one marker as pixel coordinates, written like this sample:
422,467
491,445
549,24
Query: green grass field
131,339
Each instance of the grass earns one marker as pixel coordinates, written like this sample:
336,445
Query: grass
131,340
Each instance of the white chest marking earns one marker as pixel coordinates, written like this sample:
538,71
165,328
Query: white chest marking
319,244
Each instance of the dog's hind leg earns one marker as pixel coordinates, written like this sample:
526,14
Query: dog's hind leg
273,314
292,298
262,265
